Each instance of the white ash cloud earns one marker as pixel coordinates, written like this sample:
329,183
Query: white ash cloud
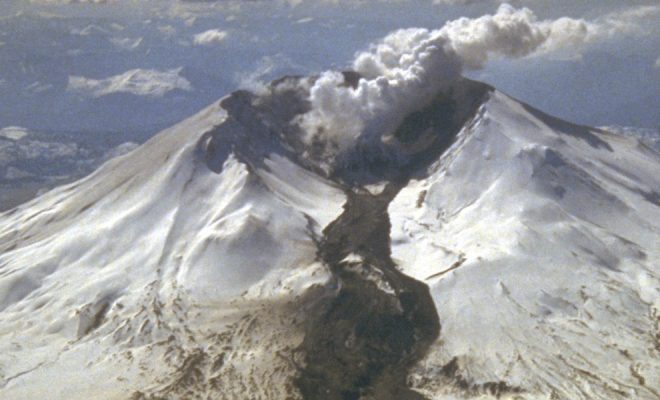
408,67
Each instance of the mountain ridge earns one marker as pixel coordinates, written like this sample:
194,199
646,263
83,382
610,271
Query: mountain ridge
230,239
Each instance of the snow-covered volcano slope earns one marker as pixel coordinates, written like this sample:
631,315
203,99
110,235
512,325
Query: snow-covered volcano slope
540,241
215,261
150,272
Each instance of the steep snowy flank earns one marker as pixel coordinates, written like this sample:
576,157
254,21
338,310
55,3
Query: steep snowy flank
141,278
539,241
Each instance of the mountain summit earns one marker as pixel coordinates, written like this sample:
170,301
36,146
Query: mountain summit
474,247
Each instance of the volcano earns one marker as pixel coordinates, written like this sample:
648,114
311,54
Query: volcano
479,249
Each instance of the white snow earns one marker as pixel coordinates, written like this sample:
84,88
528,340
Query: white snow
155,245
541,252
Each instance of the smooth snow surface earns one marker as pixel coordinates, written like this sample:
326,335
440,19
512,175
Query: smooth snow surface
540,243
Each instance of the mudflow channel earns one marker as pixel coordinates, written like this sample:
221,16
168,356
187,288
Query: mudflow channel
365,338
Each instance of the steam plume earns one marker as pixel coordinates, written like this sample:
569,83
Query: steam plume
408,67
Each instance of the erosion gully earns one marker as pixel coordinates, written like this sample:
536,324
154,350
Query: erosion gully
363,339
361,342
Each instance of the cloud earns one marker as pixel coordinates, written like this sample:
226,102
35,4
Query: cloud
403,71
90,30
167,30
657,63
59,2
13,132
254,80
460,2
268,67
140,82
127,44
640,20
210,37
39,87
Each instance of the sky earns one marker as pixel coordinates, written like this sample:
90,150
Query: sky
97,67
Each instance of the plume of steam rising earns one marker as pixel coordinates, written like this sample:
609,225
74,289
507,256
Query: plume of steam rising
403,72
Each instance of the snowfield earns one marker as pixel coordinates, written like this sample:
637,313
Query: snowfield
190,267
108,278
539,241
